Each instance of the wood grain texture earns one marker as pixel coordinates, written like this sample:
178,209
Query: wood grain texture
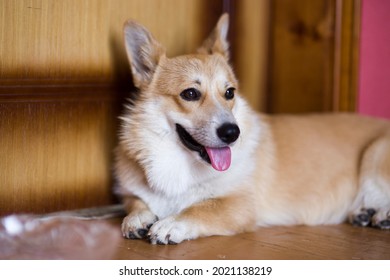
346,55
83,39
301,59
250,34
338,242
56,154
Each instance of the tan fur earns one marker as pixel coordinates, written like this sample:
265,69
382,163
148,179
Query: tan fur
286,170
317,163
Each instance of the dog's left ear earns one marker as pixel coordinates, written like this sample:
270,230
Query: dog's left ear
217,40
143,51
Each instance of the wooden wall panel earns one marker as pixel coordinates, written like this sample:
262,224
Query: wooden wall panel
314,56
56,153
75,39
346,56
63,77
301,58
250,41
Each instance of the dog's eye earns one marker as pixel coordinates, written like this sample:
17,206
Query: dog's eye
190,94
229,94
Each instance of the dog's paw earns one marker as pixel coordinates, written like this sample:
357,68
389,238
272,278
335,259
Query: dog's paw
381,219
137,225
378,218
362,217
171,231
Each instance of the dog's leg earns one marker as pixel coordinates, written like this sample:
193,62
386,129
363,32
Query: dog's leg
219,216
373,207
139,220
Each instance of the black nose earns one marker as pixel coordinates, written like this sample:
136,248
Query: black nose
228,132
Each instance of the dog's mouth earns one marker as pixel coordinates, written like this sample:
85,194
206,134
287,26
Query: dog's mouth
219,158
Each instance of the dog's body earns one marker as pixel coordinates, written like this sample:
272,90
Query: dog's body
194,160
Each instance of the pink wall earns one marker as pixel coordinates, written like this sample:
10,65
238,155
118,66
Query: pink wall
374,80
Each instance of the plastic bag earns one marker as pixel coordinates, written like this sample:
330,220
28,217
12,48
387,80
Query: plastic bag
29,237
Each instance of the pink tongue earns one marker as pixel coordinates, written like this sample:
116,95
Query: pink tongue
220,157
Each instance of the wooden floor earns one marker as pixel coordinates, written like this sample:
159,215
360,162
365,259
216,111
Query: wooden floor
70,238
277,243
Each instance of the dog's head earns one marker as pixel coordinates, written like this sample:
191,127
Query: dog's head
197,93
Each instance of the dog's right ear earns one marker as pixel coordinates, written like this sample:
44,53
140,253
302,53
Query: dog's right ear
143,52
217,40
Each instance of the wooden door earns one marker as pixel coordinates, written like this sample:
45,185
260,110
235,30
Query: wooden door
313,62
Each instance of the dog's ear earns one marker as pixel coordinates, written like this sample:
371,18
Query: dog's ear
217,40
143,52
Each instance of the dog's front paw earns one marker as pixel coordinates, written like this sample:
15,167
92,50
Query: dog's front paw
136,225
171,231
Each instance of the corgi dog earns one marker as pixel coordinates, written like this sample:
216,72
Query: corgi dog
194,160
